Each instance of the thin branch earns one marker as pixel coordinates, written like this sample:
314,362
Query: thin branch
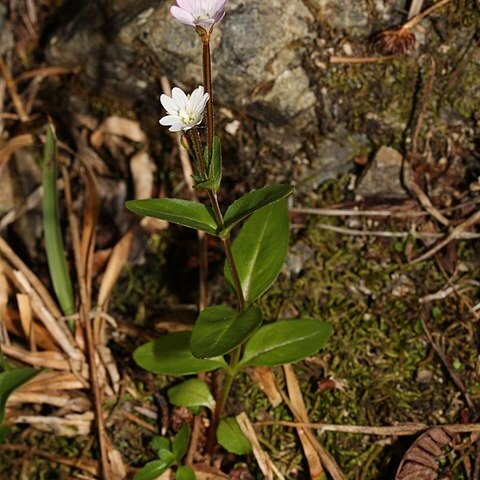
401,430
334,59
12,90
386,234
456,234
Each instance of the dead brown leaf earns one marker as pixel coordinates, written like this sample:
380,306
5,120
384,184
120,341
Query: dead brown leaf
119,126
421,460
296,398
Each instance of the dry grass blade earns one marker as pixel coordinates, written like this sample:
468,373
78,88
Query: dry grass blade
421,460
40,334
68,426
90,218
118,469
85,306
12,90
44,72
266,465
55,360
26,319
33,281
265,379
114,268
328,461
14,144
3,296
56,329
56,399
115,265
53,381
311,454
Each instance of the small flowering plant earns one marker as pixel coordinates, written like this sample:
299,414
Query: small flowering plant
224,337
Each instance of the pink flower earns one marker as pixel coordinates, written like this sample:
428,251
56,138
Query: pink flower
203,13
184,111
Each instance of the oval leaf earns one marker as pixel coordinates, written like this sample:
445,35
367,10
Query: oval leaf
191,393
251,202
185,473
10,380
152,470
260,249
57,263
180,442
220,329
171,355
231,437
160,443
285,341
182,212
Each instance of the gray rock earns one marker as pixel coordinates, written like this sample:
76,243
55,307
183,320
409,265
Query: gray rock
360,17
257,64
331,157
382,177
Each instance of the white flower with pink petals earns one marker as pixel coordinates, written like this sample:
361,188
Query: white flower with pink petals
203,13
184,111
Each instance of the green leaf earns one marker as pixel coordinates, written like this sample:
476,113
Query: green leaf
252,202
180,442
152,470
231,437
191,393
10,380
57,263
166,456
160,443
215,169
285,341
220,329
185,473
182,212
205,184
260,249
171,355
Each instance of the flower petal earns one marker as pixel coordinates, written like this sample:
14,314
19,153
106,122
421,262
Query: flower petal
196,97
182,16
169,120
187,5
180,98
168,104
178,127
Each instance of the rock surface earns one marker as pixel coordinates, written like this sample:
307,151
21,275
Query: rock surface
382,178
295,115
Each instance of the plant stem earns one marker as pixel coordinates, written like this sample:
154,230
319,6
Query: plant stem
222,399
197,150
207,80
235,355
228,250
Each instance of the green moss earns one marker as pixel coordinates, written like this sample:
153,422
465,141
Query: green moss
377,354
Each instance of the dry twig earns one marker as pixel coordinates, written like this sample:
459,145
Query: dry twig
12,90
